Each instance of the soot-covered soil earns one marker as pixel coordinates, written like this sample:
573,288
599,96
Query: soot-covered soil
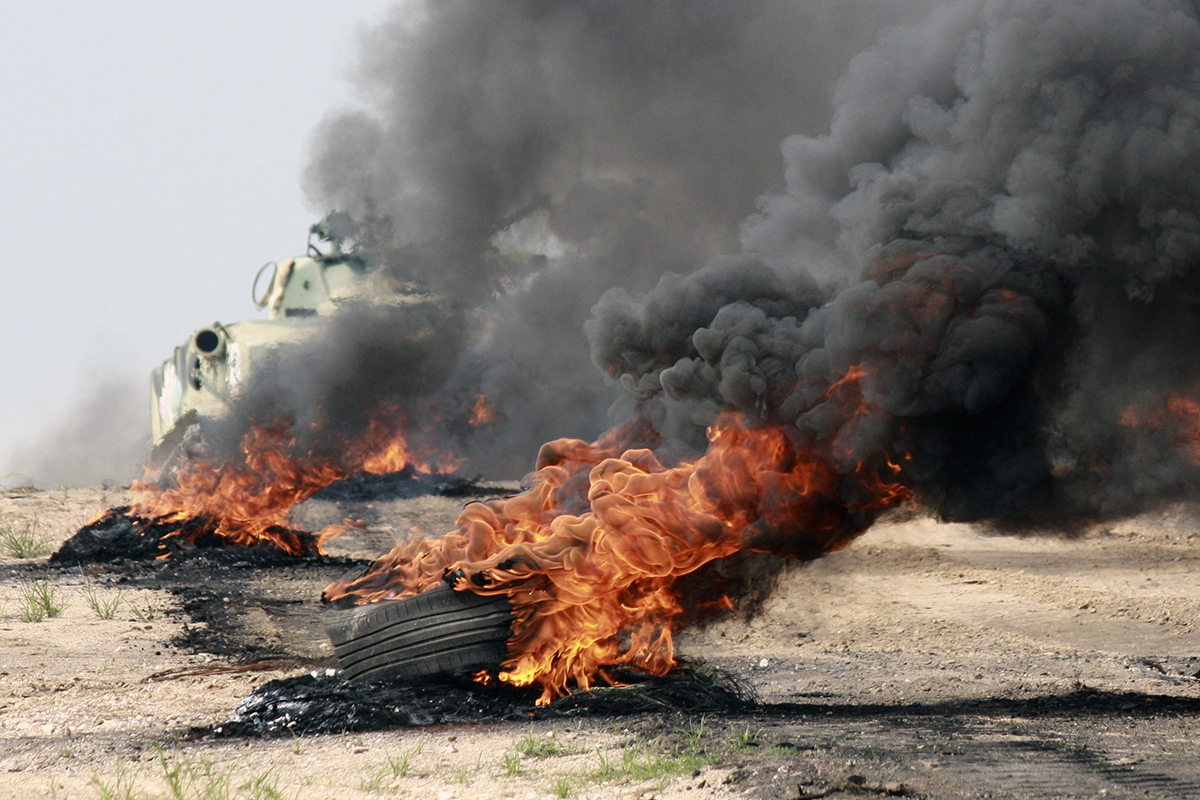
926,660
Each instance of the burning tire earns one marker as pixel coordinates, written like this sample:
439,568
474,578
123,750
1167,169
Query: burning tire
438,632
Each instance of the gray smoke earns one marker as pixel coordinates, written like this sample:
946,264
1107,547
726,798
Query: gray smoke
524,156
372,365
1005,211
102,438
1064,131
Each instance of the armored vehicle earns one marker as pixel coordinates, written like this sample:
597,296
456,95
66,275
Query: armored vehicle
207,371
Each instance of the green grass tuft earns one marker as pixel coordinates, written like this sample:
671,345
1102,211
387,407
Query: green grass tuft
540,746
27,541
643,760
746,740
512,766
38,601
103,607
263,787
150,613
186,779
120,788
397,767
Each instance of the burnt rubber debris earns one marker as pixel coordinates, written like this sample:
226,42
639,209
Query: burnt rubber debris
121,535
322,701
403,485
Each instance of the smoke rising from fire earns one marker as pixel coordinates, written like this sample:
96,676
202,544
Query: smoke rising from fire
1006,201
977,291
372,364
526,156
995,240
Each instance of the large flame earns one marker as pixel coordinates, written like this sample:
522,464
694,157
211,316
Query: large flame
589,556
246,502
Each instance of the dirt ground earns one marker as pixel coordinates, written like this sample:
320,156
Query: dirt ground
927,660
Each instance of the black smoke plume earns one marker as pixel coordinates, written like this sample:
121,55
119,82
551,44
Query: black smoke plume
997,238
522,157
978,290
373,364
1005,220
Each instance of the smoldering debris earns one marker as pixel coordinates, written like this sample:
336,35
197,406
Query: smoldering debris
403,485
693,688
321,701
121,536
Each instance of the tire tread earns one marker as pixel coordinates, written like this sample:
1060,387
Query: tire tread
437,632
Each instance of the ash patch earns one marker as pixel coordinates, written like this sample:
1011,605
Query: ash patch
122,536
404,485
247,613
218,627
689,689
322,701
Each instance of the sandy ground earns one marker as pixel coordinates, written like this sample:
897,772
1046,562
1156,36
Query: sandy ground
926,660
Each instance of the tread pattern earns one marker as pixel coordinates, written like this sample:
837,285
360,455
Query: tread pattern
437,632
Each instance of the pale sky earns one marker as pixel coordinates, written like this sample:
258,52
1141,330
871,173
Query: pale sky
150,161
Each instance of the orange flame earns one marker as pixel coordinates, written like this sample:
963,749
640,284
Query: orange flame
589,555
482,413
248,502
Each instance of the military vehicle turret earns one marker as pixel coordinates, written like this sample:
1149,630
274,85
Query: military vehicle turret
201,380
